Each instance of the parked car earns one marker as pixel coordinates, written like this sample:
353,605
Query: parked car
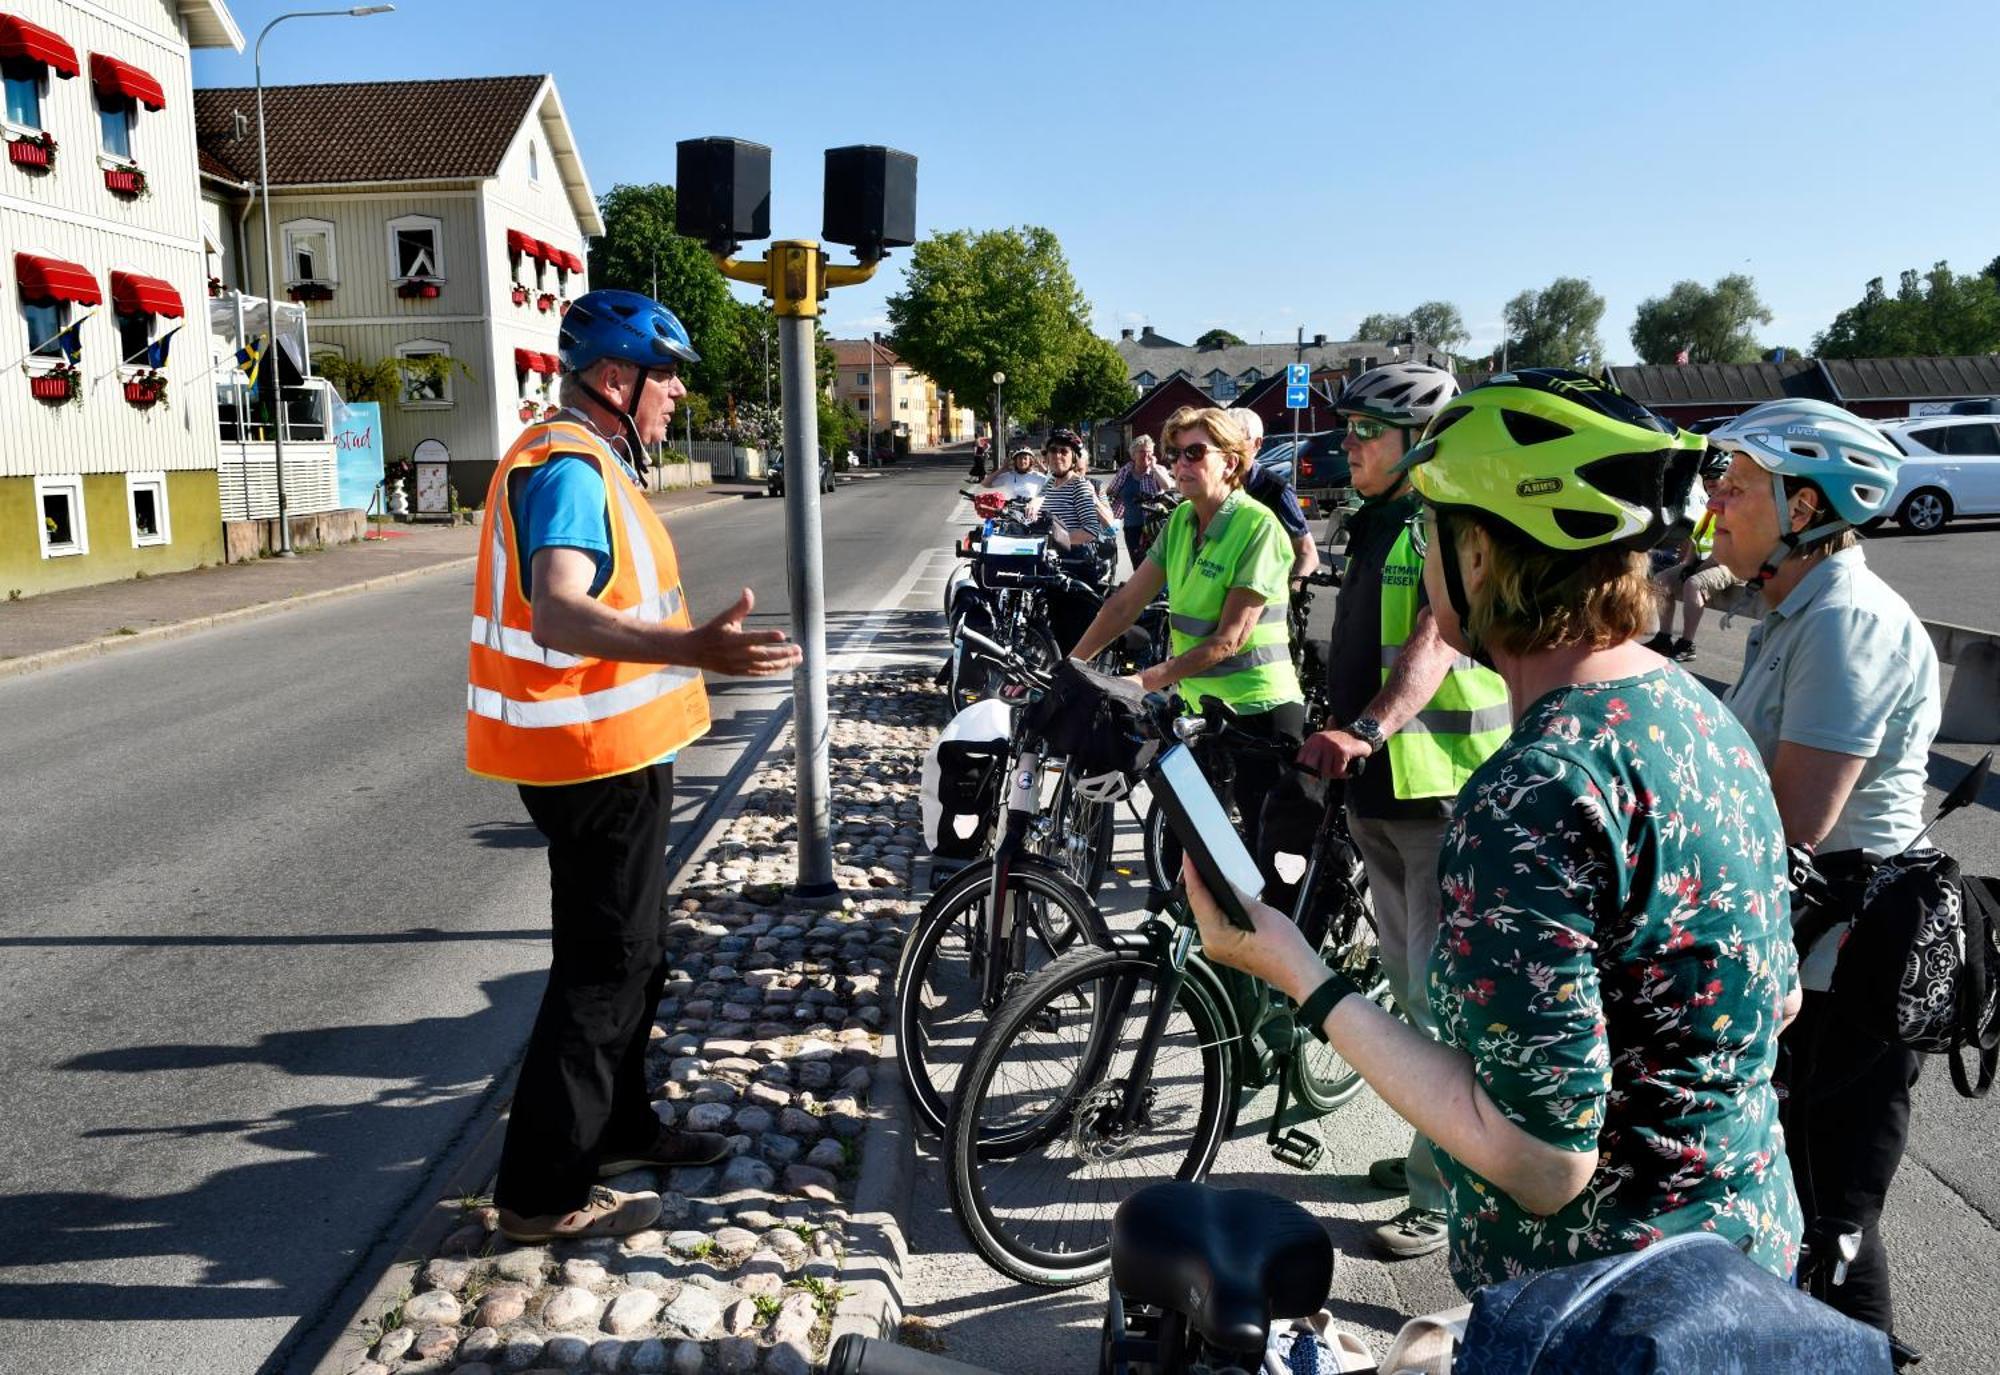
1951,467
774,480
1315,465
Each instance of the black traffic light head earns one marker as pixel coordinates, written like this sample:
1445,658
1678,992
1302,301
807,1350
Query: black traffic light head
871,199
722,192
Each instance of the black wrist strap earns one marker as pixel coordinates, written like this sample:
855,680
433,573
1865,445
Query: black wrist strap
1320,1003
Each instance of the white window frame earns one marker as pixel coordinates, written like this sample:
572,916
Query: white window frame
37,361
534,164
290,228
131,112
430,222
134,483
70,485
420,348
41,107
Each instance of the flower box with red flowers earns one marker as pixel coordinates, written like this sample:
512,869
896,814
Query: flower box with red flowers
528,409
55,386
146,390
37,151
551,412
125,181
520,295
215,286
418,289
562,307
310,291
546,302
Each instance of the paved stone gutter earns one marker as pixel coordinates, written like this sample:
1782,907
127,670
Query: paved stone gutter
771,1030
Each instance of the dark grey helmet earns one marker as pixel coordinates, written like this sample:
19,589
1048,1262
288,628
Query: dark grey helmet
1405,394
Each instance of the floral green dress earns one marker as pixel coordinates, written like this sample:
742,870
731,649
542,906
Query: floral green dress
1614,955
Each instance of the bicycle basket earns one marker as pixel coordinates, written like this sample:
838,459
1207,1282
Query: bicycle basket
1099,723
1009,560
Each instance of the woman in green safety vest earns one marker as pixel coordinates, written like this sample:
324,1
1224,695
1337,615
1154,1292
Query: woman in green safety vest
1225,562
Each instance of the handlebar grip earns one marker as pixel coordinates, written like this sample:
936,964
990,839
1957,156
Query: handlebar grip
857,1355
992,649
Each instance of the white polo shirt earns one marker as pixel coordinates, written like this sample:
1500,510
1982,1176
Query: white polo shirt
1844,665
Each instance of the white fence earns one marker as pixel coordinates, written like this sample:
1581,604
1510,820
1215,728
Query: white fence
247,479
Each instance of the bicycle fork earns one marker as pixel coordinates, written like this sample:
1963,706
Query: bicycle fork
1006,931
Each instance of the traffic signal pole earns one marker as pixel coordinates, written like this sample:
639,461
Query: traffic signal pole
795,276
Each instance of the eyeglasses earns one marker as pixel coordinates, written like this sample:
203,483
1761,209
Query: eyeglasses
1365,429
1189,453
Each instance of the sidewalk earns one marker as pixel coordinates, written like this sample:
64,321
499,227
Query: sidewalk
39,632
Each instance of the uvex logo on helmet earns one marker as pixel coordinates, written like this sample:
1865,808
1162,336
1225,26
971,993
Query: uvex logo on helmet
1538,486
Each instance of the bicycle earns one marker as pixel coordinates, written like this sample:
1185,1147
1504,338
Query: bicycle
1126,1059
1199,1275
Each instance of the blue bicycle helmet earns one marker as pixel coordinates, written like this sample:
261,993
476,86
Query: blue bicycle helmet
1848,459
622,325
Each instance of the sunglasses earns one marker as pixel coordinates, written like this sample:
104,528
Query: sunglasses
1365,429
1190,453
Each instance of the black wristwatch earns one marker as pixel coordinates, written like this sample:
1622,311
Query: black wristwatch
1367,728
1319,1003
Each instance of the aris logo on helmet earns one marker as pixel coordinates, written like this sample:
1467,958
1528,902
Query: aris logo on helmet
1538,486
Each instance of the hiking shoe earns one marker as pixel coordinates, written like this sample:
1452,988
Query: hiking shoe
1683,650
1661,643
669,1149
1392,1174
608,1213
1412,1232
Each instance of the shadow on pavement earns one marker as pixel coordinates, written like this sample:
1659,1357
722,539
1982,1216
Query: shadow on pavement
262,1235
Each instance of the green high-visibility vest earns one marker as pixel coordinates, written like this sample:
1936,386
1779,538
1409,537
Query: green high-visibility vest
1703,537
1245,547
1467,719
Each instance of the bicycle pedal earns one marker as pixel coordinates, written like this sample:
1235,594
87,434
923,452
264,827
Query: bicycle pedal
1299,1148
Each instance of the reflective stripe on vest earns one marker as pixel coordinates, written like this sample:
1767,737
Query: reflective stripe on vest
1467,719
1260,674
543,716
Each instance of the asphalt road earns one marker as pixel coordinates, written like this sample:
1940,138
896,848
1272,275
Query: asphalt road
267,947
1943,1218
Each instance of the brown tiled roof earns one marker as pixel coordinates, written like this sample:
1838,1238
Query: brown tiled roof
213,166
1898,379
1719,384
849,353
367,130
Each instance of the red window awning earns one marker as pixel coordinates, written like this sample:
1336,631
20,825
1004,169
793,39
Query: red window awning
527,360
33,43
572,262
551,364
517,242
122,80
51,279
132,294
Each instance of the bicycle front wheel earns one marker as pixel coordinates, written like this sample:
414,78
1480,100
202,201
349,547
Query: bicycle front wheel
941,977
1321,1076
1080,835
1048,1134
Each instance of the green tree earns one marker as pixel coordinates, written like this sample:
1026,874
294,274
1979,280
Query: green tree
1218,339
1097,385
1555,327
1000,300
1439,324
1382,325
1935,312
639,251
1712,323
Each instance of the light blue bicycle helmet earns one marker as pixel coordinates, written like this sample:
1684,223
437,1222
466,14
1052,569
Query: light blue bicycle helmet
1849,460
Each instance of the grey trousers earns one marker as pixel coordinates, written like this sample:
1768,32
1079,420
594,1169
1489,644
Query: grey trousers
1402,862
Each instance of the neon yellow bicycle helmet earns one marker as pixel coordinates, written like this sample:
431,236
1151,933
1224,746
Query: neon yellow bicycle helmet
1566,459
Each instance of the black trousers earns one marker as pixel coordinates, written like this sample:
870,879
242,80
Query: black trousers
1846,1115
583,1093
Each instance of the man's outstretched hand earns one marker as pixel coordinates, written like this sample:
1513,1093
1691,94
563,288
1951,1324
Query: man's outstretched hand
722,645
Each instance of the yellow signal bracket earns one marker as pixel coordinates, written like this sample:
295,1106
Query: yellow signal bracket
795,275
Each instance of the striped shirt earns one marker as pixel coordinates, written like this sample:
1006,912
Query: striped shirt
1072,504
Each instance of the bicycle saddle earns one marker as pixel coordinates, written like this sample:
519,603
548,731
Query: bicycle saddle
1231,1260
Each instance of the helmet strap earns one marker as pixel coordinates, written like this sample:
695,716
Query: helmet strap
627,415
1454,590
1792,541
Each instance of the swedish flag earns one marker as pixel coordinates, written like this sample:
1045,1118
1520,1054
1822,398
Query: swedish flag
69,343
156,352
251,357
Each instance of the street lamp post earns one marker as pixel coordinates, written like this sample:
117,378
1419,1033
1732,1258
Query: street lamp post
999,422
270,261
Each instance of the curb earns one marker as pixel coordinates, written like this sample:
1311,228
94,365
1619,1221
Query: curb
871,1269
91,649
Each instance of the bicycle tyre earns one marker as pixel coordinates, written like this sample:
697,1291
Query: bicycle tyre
1195,1062
1321,1077
1080,836
938,976
1163,849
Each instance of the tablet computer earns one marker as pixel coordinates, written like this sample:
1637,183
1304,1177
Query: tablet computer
1202,826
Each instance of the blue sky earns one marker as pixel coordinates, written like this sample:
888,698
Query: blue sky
1265,166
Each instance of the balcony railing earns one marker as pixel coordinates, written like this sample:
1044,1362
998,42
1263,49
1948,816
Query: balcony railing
244,416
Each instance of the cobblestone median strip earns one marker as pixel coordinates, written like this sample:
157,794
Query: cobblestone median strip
770,1030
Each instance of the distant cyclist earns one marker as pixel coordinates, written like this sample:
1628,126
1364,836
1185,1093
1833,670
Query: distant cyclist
1139,478
1696,577
1615,957
1077,514
1018,480
1839,692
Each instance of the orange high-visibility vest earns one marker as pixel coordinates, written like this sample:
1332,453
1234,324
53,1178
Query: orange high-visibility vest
536,715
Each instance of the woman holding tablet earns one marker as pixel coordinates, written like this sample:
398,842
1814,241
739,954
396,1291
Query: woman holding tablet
1615,960
1225,562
